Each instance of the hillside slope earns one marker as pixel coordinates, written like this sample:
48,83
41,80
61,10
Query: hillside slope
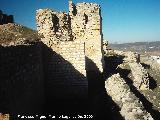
152,48
11,34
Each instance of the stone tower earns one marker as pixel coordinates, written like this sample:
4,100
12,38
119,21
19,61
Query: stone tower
86,25
76,37
82,24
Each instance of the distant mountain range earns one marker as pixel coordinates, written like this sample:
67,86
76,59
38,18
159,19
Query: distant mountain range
138,46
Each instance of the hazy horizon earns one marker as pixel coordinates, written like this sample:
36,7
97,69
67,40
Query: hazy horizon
132,42
124,21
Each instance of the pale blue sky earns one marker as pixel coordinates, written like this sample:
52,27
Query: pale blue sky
123,20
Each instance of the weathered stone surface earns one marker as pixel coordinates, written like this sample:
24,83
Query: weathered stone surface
130,106
76,37
87,26
82,25
139,73
130,57
54,26
140,76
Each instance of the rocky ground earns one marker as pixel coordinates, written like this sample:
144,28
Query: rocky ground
131,108
120,72
12,34
153,69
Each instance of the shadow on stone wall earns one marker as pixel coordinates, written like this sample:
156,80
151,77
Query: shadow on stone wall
35,79
145,65
152,81
111,64
66,89
147,105
21,79
102,104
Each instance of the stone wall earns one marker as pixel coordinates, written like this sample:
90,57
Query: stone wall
131,108
140,76
139,73
55,68
76,38
86,26
54,26
4,19
21,79
34,77
82,24
64,66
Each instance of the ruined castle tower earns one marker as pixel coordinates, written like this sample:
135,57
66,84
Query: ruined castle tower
4,18
76,37
83,23
86,25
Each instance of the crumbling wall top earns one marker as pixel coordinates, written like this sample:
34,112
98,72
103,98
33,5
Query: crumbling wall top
53,25
90,8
